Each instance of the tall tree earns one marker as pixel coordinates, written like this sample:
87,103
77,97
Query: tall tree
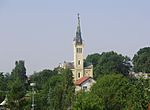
69,89
141,60
58,91
17,86
19,71
16,94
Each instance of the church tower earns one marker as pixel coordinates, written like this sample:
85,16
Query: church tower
78,53
79,70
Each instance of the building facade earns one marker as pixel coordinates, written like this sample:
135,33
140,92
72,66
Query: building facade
85,83
140,75
78,66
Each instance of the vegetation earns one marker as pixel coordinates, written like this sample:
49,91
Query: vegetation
57,93
2,87
17,86
115,92
55,90
109,62
141,60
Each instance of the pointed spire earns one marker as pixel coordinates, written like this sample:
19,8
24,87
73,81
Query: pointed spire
78,38
78,27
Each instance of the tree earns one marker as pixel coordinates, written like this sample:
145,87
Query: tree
141,60
87,101
58,91
69,89
109,62
17,86
93,58
115,92
2,87
16,94
49,97
142,92
62,92
41,77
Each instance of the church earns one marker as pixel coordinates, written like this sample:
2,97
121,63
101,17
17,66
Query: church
81,71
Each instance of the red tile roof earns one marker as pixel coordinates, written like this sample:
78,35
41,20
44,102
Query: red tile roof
81,80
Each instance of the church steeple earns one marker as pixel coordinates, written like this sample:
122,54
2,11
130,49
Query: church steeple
78,38
79,69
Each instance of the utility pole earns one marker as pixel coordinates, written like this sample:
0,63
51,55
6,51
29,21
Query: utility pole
33,104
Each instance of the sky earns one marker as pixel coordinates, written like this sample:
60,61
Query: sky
41,32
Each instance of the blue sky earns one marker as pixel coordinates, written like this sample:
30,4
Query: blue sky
41,31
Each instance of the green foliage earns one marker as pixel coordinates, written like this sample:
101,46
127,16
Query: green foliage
16,94
109,62
57,93
112,89
142,93
2,82
141,60
115,92
55,89
63,92
87,101
19,71
69,89
17,86
41,77
50,95
93,58
2,87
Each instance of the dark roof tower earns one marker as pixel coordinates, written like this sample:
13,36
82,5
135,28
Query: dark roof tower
78,38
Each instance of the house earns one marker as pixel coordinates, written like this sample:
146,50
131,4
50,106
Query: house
84,83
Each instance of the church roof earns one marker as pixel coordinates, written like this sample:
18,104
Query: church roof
69,65
88,65
82,80
78,38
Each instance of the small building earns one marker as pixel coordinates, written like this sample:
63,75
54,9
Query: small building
140,75
84,83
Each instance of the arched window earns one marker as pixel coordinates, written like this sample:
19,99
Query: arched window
78,75
78,62
79,50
